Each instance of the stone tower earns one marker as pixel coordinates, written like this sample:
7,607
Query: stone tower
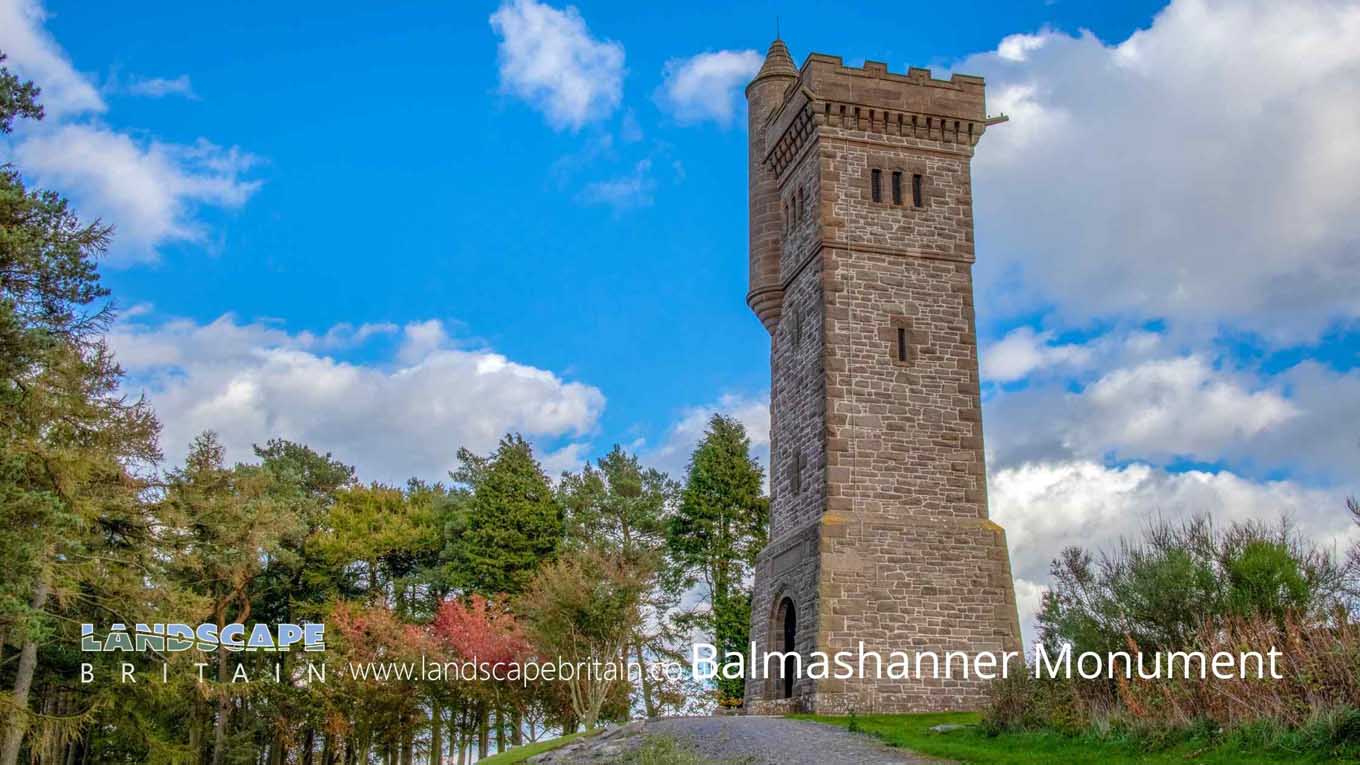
861,270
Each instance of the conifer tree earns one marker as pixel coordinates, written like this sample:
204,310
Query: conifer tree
73,452
621,507
717,532
514,523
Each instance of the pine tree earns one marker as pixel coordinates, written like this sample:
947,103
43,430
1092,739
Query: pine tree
623,508
718,531
74,533
514,523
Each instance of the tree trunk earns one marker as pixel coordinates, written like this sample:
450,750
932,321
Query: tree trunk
517,733
436,734
223,707
483,733
308,742
646,682
23,682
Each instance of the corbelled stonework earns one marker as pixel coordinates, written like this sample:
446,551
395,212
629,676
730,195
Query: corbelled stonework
878,524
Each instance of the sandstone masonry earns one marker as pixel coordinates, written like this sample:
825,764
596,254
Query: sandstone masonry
861,259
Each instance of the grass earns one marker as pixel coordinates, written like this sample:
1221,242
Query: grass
971,745
522,753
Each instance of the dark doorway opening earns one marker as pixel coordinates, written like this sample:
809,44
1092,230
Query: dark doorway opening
790,639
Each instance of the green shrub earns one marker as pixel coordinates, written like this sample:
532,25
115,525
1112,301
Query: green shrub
1022,702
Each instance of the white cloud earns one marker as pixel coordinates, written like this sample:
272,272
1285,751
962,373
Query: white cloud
1017,47
625,192
420,339
1023,351
1178,406
393,419
1323,441
706,86
753,412
1201,170
34,55
160,87
1048,506
549,59
148,190
1154,408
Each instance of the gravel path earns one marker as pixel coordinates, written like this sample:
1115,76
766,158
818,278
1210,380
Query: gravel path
746,741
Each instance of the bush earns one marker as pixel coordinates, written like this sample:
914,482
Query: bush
1157,592
1192,587
1022,702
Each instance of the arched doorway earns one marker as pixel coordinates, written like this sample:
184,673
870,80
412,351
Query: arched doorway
789,619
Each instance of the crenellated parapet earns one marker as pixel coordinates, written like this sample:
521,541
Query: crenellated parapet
872,100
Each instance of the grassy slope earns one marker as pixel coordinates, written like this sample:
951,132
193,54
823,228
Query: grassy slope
522,753
972,746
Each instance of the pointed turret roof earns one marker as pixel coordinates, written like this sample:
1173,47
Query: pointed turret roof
778,62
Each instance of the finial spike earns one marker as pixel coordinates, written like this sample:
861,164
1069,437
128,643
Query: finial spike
776,27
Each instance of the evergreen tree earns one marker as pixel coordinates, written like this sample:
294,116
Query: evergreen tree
296,584
623,508
717,532
514,523
228,524
73,452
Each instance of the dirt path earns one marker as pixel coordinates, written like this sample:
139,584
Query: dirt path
740,741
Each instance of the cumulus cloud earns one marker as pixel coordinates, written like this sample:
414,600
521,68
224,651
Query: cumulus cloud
1200,170
1177,406
394,418
549,59
706,86
1156,410
1048,506
150,190
1024,351
1134,401
752,411
34,55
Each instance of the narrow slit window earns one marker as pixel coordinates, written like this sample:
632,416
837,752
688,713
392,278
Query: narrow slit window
901,344
917,199
876,185
796,480
897,187
797,328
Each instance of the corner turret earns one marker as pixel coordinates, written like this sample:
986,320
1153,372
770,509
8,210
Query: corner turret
763,96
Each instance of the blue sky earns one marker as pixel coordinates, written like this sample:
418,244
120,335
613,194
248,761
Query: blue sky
399,184
391,231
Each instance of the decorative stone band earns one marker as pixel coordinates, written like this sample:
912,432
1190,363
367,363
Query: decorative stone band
835,244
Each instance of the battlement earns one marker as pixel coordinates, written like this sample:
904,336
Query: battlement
872,99
874,85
